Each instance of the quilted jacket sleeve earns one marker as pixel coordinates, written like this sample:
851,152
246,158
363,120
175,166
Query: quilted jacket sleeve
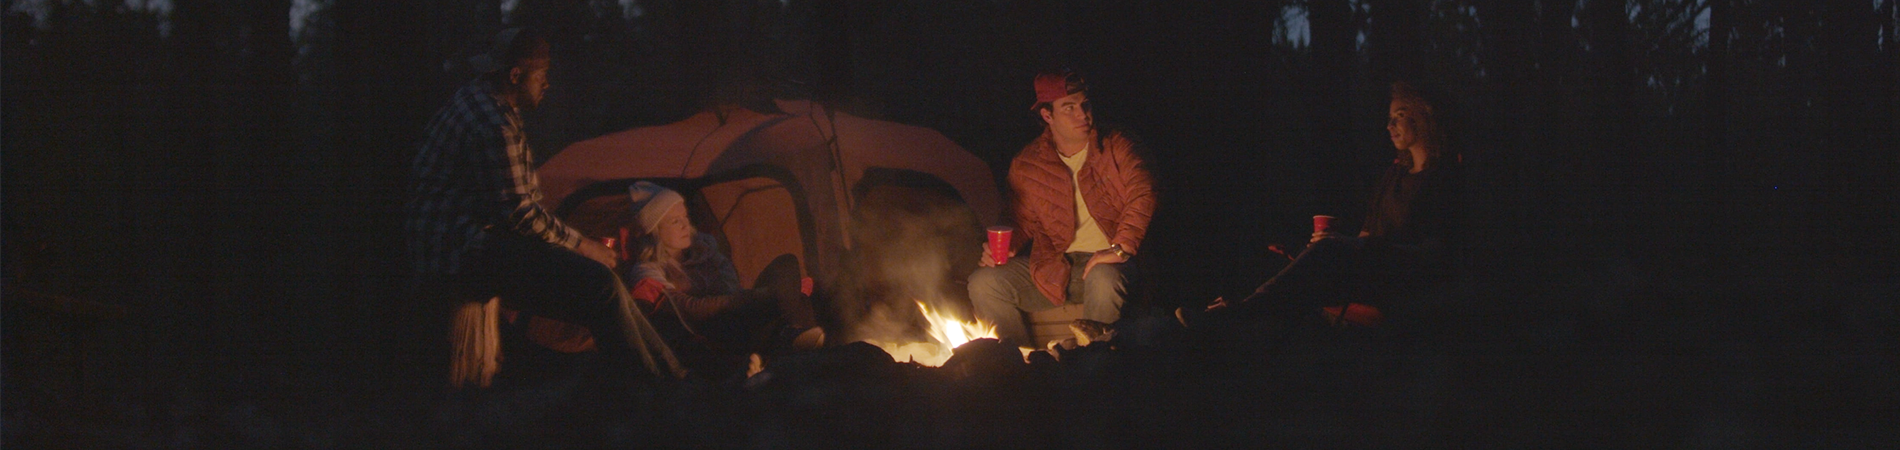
1138,190
1020,205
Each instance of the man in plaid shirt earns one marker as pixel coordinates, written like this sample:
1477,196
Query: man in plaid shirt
476,227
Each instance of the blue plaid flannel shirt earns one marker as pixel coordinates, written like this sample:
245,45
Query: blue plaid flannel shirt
474,175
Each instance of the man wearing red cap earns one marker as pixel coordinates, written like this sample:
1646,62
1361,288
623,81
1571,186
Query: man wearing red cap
1083,199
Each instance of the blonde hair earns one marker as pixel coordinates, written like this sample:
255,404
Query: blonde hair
652,254
1425,122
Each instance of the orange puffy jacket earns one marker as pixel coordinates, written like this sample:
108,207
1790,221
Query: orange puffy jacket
1114,182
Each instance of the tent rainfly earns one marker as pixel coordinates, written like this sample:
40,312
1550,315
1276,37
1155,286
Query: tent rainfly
769,183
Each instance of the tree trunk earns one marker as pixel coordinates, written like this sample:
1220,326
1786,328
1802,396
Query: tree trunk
1332,30
1614,126
1853,86
1395,39
1556,58
1717,155
1508,133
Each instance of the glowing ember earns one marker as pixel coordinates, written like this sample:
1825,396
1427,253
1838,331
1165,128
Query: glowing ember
946,333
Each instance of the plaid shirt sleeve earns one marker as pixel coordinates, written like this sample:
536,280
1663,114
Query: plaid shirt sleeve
475,175
508,168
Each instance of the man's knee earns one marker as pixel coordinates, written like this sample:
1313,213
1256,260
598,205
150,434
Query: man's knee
1104,292
1105,278
596,278
594,289
987,284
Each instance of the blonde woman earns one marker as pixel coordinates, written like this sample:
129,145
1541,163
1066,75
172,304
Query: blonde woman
690,291
679,273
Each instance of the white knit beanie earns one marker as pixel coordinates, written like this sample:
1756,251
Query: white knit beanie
650,201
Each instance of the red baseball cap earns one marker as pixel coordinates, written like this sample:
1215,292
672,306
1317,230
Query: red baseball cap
1051,86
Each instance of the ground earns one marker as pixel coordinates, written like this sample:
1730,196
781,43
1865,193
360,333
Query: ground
1679,365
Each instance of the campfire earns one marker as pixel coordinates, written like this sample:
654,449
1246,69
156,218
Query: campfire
946,334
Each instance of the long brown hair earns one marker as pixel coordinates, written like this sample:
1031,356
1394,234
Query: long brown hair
1426,123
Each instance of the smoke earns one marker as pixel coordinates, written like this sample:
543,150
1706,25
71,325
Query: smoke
909,244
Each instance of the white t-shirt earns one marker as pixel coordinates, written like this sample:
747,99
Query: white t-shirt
1088,235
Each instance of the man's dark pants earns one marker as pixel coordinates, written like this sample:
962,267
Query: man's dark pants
552,281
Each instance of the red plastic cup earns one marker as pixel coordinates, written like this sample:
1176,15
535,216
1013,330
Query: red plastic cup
999,243
612,244
805,285
1322,223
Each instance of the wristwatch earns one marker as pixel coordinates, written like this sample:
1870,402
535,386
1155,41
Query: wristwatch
1118,251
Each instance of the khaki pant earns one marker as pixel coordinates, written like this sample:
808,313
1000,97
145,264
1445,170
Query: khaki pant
1001,294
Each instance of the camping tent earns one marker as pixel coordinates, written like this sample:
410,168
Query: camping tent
767,183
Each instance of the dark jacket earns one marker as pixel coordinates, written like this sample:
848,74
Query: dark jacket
1410,227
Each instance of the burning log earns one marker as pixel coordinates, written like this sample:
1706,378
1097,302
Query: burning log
945,334
986,359
850,362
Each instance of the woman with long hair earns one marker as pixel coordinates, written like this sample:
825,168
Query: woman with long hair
1401,251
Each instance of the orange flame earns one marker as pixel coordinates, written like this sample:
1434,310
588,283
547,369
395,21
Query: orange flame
946,333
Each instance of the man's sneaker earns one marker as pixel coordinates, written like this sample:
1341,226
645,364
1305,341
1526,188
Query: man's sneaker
1089,331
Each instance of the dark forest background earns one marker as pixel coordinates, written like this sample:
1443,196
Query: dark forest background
1683,211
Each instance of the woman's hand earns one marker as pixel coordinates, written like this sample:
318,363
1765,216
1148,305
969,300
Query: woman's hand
598,252
1324,235
1218,303
986,260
